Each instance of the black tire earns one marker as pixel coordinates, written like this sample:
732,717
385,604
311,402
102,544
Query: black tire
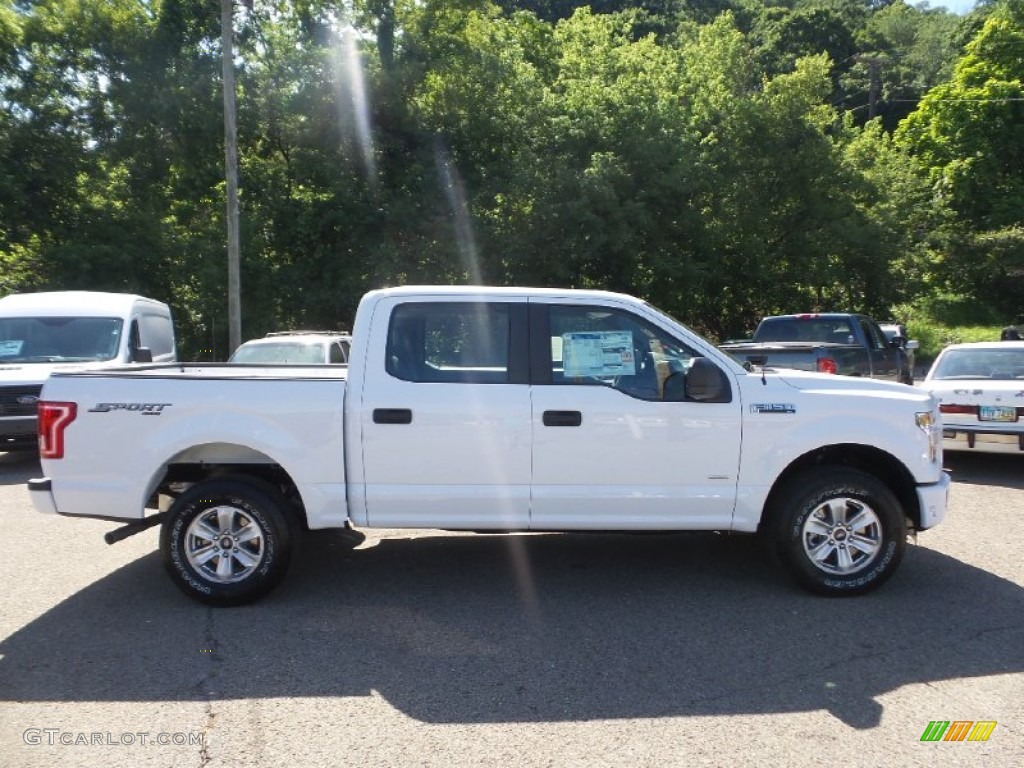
227,541
838,531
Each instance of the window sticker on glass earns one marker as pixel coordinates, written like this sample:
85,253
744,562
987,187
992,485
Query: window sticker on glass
598,353
11,347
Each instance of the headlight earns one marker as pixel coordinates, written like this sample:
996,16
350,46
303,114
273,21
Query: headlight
929,423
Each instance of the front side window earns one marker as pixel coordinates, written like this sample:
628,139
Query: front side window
156,334
609,347
59,339
449,342
874,335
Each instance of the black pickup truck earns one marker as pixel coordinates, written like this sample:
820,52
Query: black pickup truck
833,342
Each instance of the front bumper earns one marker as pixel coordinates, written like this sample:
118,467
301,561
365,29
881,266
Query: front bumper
19,433
933,499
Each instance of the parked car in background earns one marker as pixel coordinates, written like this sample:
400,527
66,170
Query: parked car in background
980,388
895,331
296,348
1010,333
827,342
70,330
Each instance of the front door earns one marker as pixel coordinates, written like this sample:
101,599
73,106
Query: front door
625,434
885,359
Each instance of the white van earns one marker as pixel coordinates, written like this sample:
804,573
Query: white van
70,330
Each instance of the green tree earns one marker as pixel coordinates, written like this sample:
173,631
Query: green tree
968,137
903,51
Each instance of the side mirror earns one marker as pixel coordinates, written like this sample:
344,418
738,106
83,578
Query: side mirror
913,344
142,355
705,382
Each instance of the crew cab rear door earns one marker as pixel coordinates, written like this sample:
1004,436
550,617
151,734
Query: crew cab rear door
620,439
445,415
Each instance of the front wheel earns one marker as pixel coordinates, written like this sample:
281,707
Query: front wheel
839,531
227,541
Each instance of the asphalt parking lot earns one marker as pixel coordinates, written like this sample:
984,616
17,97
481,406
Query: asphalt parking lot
438,649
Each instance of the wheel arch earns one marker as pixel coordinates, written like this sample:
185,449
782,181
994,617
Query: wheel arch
873,461
209,460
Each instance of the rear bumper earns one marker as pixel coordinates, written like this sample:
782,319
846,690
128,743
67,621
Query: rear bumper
41,494
933,500
982,439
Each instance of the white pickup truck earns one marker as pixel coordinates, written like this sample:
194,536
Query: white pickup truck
495,409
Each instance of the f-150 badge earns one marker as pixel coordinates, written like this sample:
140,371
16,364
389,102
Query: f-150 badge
772,408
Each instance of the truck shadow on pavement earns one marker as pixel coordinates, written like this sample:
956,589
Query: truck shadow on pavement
536,628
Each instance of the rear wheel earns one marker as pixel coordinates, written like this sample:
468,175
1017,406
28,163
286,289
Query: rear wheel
227,541
839,531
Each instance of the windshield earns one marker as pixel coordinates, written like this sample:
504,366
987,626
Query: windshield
290,352
59,339
1000,364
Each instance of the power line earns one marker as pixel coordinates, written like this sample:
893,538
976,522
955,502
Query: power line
950,98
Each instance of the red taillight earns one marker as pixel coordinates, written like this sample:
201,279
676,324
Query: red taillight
827,365
53,420
969,410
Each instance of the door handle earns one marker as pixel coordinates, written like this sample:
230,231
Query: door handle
562,418
392,416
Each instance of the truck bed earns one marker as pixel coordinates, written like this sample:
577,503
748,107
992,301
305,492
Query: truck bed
287,416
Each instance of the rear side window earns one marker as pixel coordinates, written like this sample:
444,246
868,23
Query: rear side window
336,355
455,343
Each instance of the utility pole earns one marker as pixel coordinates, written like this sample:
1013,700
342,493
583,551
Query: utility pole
874,81
231,175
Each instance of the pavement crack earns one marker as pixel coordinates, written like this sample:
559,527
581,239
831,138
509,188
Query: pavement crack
207,685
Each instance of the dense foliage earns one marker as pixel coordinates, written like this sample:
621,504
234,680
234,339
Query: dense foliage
722,158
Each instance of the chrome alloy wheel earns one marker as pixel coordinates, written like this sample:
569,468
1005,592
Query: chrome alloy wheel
224,544
842,535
